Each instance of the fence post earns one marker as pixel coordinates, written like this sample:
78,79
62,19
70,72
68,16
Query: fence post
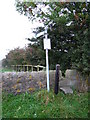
37,68
57,79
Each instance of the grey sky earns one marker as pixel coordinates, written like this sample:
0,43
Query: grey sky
14,28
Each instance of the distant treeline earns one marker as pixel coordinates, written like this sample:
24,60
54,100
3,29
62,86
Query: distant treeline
22,56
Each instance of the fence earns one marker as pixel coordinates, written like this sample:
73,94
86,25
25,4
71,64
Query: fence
25,68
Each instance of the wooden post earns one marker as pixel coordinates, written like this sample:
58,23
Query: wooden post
23,68
32,68
12,67
27,67
57,79
16,68
37,67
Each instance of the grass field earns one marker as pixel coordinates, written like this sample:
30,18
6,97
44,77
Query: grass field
42,104
5,70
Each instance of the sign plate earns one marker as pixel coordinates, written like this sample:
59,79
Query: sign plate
47,44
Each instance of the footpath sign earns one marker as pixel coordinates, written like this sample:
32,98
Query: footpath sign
47,45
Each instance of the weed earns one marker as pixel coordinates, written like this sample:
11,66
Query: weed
43,104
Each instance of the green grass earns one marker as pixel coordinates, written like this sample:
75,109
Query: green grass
5,70
42,104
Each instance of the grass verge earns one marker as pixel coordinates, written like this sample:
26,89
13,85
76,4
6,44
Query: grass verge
42,104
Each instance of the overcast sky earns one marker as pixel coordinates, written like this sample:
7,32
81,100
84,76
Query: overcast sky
14,28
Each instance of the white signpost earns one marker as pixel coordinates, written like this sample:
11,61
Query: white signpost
47,45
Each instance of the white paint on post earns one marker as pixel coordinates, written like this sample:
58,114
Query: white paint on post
47,70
